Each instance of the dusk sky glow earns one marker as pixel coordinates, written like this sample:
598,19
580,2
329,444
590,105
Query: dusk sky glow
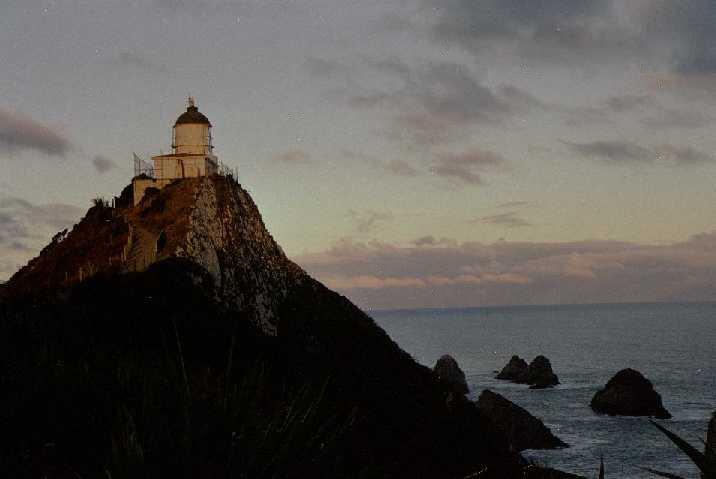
408,153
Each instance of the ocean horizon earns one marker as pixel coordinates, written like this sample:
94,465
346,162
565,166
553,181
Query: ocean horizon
553,305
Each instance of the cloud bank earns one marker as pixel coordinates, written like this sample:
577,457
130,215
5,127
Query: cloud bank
626,152
445,273
661,33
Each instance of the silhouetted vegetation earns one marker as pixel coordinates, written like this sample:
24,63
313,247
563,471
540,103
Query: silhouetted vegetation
704,461
145,375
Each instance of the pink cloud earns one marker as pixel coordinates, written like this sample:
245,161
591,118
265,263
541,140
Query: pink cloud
444,273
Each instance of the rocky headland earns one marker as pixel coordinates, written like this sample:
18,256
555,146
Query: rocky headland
174,338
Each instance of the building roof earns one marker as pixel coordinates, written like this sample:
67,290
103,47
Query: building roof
192,115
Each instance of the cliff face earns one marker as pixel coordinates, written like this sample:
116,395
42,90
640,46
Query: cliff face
226,235
210,221
176,339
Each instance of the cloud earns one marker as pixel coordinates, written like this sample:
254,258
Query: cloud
292,157
400,168
467,166
666,118
430,240
507,220
377,282
446,90
25,228
436,102
20,132
133,60
658,35
443,273
613,151
102,164
689,26
513,204
625,103
555,31
368,220
684,155
323,68
395,167
623,152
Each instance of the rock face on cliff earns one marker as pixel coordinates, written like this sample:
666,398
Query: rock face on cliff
629,393
538,374
210,221
522,429
176,339
449,373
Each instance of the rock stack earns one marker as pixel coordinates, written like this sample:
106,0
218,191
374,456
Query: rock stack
538,374
629,393
449,373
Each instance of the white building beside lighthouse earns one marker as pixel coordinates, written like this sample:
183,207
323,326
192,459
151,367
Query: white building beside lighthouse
192,154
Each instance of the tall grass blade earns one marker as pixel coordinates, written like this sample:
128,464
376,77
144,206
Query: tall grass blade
696,456
662,474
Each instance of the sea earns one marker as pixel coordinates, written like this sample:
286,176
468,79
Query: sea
672,344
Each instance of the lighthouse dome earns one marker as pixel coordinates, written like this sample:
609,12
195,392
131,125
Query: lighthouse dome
192,115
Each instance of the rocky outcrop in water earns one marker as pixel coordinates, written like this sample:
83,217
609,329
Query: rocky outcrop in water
449,373
538,374
522,429
513,370
629,393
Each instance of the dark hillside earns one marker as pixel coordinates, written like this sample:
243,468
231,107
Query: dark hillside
162,373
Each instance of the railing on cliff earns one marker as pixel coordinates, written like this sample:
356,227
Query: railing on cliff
142,167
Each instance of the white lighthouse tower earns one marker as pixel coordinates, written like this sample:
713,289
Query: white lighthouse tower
192,153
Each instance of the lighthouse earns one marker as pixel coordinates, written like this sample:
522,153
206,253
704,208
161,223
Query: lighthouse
191,133
192,154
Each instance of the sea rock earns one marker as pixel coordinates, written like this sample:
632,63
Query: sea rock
538,374
522,429
629,393
449,373
514,371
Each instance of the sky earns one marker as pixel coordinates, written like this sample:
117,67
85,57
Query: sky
407,153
